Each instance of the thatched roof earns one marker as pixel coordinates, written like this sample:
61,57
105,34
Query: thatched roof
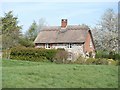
56,34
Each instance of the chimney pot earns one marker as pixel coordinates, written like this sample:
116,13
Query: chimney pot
63,23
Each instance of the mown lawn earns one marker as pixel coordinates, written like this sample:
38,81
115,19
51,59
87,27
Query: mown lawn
25,74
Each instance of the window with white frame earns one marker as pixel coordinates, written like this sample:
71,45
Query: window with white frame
69,45
47,45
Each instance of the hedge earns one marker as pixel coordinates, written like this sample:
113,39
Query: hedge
108,55
32,54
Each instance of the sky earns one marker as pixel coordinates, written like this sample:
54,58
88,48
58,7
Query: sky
52,12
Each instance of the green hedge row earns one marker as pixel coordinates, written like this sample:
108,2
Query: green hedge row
32,54
108,55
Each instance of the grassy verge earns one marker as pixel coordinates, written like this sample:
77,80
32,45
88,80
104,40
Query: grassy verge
25,74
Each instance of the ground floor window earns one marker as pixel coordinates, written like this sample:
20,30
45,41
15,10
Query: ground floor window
47,45
69,45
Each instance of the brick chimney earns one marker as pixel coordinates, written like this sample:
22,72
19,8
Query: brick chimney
63,23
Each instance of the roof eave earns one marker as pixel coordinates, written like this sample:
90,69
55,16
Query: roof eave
60,42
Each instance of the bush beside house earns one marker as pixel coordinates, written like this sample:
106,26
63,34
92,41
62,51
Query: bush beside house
32,54
109,55
38,54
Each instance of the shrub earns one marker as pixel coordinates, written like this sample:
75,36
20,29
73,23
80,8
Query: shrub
90,54
113,62
80,60
61,49
32,54
118,62
111,55
116,56
101,61
108,55
6,54
61,56
90,61
102,54
26,42
98,61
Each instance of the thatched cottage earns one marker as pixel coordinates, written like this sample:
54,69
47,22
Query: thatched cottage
75,39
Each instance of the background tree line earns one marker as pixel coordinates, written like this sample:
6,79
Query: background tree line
28,38
12,35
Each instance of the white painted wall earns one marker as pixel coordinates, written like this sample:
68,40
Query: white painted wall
56,46
39,46
77,49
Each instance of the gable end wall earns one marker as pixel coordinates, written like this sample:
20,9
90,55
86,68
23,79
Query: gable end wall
89,40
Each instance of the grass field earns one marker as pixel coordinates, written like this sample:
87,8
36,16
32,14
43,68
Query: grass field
25,74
